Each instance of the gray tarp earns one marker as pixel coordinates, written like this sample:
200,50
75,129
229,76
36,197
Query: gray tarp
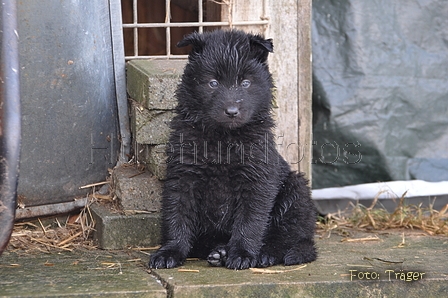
380,100
384,194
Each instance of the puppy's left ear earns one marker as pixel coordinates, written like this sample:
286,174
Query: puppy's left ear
195,40
260,47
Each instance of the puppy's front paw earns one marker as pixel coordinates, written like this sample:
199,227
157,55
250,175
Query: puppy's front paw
266,260
269,256
306,255
165,259
240,260
218,256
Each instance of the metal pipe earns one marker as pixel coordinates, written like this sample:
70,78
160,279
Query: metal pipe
200,15
120,79
10,119
160,57
52,209
195,24
134,22
168,29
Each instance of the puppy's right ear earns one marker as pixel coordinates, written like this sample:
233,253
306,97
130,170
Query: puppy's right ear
260,47
195,40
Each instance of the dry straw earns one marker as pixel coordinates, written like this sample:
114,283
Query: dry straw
46,235
374,218
75,232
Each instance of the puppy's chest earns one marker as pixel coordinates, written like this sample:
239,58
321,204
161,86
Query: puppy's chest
219,189
230,153
218,197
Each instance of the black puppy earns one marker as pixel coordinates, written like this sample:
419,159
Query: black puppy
229,196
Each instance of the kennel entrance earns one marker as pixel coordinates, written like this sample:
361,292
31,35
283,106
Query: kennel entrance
151,30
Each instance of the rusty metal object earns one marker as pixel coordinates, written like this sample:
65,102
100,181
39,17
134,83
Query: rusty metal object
9,120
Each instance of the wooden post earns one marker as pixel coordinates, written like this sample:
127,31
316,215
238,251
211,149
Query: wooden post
290,27
304,81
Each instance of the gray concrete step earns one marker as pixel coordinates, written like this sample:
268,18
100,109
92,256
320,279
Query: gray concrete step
83,273
380,267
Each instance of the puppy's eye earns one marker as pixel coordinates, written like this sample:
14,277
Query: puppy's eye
245,83
213,84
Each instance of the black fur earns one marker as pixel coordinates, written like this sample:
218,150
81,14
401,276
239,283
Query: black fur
229,196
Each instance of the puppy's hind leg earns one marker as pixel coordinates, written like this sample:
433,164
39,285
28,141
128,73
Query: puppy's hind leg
290,237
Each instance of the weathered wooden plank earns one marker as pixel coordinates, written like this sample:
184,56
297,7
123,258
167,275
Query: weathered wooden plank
290,28
304,80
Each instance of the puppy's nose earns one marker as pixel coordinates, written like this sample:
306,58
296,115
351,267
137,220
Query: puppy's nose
232,111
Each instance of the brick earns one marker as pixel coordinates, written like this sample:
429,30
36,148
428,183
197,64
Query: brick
153,157
118,231
153,83
157,160
136,190
150,126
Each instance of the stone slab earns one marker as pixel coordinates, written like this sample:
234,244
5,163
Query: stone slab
137,190
375,268
330,275
153,83
81,273
118,231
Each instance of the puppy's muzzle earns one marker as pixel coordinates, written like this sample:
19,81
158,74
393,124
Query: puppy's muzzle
232,111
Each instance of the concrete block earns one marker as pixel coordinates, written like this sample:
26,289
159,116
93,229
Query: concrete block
136,190
141,154
150,126
117,231
154,158
153,83
157,160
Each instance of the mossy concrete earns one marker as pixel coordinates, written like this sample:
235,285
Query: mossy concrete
81,273
136,190
118,231
154,158
330,275
153,83
124,273
150,126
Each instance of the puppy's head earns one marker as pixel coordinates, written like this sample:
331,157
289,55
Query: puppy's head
226,81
